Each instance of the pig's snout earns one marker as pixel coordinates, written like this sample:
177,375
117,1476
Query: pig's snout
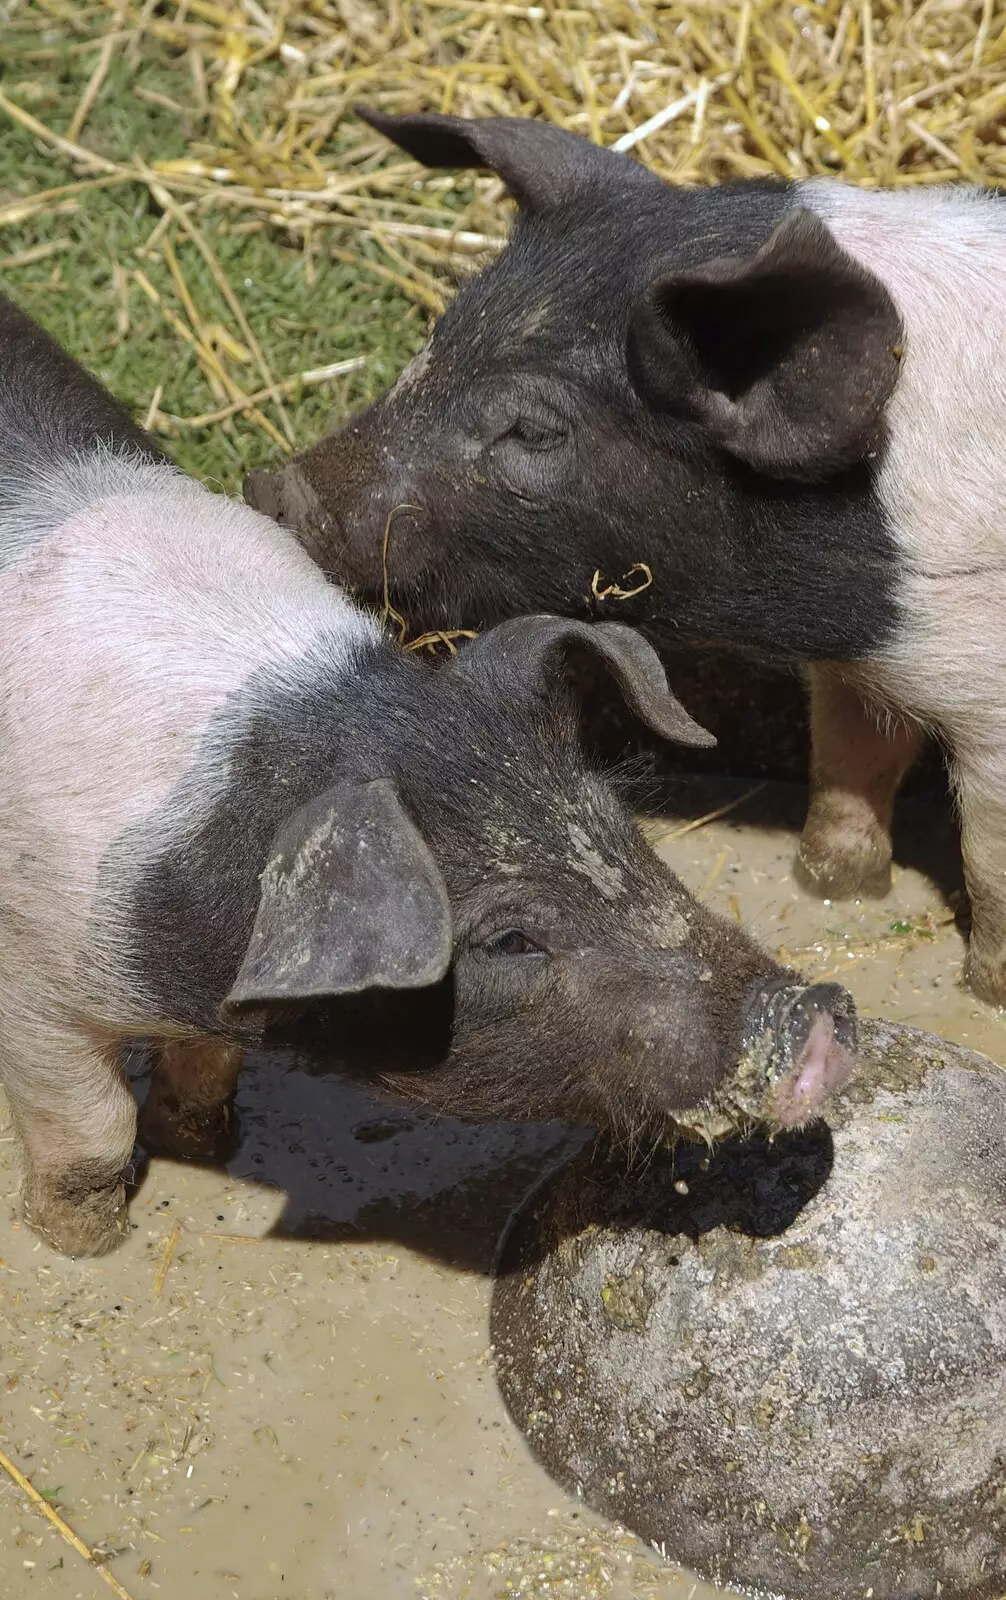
804,1039
289,499
370,540
263,491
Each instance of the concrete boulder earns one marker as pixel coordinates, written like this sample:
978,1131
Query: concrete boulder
785,1363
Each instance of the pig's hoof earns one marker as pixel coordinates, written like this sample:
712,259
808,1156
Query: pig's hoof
986,976
74,1219
836,872
186,1131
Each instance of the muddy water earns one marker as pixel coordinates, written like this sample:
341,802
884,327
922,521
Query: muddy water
278,1389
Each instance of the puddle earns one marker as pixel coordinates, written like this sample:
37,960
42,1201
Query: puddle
279,1386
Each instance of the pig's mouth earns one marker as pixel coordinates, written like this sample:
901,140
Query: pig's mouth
800,1047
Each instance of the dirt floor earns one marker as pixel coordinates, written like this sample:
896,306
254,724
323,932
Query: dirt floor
280,1386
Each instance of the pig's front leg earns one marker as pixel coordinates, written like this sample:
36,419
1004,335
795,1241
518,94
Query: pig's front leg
859,757
980,779
187,1112
76,1119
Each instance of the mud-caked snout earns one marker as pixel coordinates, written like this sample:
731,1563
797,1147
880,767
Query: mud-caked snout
288,497
354,503
799,1047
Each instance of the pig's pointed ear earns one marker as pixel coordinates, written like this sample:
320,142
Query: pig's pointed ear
533,648
541,165
351,899
787,356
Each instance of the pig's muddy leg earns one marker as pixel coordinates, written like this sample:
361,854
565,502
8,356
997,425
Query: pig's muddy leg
187,1113
859,758
76,1119
980,782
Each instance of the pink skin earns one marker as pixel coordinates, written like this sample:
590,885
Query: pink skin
824,1066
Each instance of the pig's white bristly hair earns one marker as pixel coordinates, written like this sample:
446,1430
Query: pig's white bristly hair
146,621
222,536
40,495
941,477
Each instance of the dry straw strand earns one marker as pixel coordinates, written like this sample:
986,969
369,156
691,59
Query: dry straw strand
712,816
171,1244
62,1528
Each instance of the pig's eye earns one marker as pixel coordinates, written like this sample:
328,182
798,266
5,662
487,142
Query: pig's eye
536,433
512,942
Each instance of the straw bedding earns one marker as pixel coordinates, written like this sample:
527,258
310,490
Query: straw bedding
264,140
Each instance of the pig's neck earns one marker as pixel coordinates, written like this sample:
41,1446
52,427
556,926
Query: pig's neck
942,256
802,571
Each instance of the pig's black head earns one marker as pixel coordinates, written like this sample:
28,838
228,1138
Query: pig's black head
484,922
643,375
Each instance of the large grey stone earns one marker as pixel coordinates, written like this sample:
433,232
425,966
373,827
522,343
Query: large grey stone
792,1377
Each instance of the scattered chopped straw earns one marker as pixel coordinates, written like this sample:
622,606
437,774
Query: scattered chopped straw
36,252
441,636
390,614
335,369
62,1528
426,641
208,359
710,816
168,1255
153,409
618,591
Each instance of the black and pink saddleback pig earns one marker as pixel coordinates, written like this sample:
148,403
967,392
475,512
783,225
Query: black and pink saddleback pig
226,796
786,399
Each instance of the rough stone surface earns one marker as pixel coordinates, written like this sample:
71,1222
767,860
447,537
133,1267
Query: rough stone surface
791,1376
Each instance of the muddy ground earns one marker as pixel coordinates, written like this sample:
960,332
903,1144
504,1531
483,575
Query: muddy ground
280,1389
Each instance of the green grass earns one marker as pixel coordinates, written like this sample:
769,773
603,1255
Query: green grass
347,312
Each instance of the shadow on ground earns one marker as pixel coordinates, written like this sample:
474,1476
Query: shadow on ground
356,1167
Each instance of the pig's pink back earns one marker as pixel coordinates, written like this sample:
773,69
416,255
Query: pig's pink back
126,629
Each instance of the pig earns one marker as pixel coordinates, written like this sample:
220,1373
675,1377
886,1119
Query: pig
785,399
229,801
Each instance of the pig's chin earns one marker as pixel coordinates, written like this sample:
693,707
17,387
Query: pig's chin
770,1091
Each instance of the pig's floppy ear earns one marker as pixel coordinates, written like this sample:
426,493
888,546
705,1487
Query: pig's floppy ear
787,356
351,899
541,165
533,648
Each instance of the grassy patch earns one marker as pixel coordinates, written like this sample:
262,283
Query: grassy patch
336,245
105,319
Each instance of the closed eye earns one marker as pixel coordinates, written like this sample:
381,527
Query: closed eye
535,433
512,942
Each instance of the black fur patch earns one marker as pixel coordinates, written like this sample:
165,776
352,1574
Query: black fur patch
622,999
50,407
193,909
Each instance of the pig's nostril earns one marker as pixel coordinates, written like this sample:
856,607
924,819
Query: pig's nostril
824,1064
812,1029
788,1011
823,1000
